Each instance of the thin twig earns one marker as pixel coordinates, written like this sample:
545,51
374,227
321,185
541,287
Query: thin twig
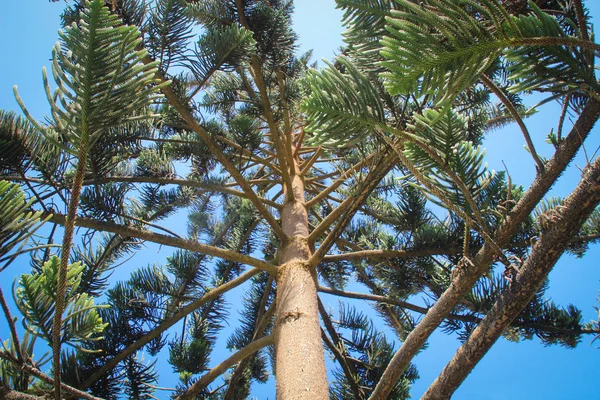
11,325
561,120
347,366
517,117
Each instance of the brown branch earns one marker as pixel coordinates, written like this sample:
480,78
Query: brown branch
211,375
457,317
65,253
247,154
299,142
289,130
242,364
447,251
347,367
11,325
568,41
182,182
306,165
262,323
561,120
581,20
345,364
378,299
344,213
179,315
567,221
379,254
516,116
9,394
583,31
45,378
339,181
218,153
482,260
371,181
256,182
392,317
255,63
185,244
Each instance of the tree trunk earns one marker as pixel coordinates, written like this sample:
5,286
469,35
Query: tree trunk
300,365
483,259
567,220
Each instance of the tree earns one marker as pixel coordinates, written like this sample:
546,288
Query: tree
294,181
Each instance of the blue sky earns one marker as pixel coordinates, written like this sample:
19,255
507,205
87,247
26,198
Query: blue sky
525,370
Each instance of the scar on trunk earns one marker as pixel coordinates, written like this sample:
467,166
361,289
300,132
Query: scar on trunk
291,316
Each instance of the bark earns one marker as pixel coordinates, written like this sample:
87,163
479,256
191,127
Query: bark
300,366
483,259
568,219
61,284
8,394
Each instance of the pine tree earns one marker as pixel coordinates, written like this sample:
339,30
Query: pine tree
295,181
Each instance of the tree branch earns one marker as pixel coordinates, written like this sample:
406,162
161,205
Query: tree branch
262,323
306,165
179,315
346,365
247,154
8,394
379,254
447,251
211,375
108,226
482,260
11,325
457,317
255,63
212,146
339,181
344,212
45,378
208,187
289,134
516,116
567,221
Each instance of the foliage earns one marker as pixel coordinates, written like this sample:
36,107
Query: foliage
380,151
35,298
17,223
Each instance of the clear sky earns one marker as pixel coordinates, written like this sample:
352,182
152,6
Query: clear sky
513,371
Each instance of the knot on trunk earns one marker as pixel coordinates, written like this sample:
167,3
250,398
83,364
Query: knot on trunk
291,316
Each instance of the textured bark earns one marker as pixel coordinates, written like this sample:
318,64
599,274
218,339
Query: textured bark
8,394
300,366
568,219
483,259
